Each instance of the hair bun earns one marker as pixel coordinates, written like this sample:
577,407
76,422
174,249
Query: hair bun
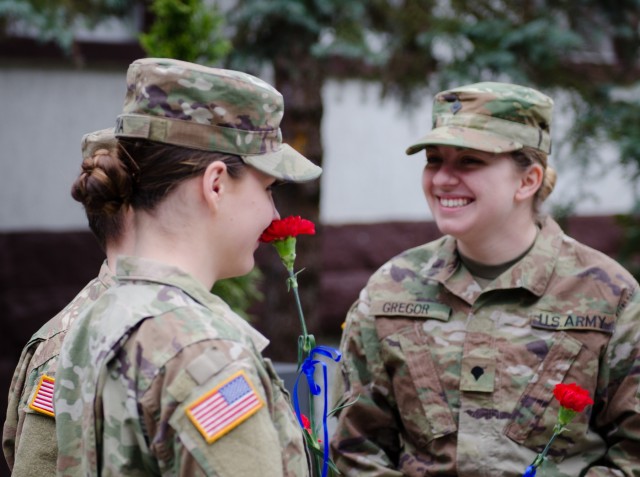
104,185
548,183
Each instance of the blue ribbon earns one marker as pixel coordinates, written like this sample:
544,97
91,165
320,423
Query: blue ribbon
308,369
530,472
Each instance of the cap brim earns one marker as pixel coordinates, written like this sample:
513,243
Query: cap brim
286,164
467,138
91,142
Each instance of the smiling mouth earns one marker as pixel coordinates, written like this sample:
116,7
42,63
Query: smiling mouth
453,203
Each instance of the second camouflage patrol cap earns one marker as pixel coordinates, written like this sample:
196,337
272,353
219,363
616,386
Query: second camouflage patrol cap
94,141
491,117
185,104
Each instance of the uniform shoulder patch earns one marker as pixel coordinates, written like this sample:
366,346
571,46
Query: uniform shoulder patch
42,400
226,406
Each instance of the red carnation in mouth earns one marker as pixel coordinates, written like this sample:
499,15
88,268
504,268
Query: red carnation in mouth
288,227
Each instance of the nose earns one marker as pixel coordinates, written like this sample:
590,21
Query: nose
445,175
276,214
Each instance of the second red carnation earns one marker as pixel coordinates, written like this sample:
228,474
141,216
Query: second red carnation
572,396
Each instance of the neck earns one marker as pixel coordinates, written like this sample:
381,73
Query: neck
113,252
124,246
173,246
498,248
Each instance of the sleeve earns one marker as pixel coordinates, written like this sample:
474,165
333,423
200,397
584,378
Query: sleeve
14,415
209,414
38,449
366,440
617,419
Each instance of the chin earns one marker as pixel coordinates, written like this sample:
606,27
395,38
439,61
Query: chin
246,269
446,227
239,270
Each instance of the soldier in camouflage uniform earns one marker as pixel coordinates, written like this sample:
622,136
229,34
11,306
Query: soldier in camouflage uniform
29,435
160,377
454,347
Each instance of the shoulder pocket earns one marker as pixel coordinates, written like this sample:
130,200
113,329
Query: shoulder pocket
225,425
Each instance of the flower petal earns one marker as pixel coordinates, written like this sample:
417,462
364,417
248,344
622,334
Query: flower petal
291,226
572,396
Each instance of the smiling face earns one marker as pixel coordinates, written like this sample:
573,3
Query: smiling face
475,196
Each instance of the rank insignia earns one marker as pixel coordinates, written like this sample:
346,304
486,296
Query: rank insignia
224,407
42,401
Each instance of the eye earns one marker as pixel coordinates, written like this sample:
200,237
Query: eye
433,160
471,161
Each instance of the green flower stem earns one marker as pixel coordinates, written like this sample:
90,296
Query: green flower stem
558,428
293,282
307,343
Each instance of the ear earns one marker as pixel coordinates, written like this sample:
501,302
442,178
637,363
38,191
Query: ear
214,183
530,182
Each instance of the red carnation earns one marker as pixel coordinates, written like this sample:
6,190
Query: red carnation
572,396
573,399
288,227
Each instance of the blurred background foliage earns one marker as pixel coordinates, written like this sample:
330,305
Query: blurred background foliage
585,50
241,293
186,30
58,20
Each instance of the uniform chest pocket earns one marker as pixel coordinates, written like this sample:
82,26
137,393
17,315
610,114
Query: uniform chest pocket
536,412
419,394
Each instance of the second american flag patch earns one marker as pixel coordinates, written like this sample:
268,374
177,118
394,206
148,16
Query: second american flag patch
224,407
42,401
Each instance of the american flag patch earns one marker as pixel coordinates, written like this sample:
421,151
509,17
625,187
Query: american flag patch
225,407
43,398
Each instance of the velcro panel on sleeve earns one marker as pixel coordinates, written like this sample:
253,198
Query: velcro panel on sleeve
226,426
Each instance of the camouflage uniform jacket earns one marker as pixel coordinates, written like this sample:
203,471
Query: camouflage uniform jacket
160,377
29,435
457,380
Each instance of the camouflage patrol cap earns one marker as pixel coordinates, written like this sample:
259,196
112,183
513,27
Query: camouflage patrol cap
490,117
211,109
94,141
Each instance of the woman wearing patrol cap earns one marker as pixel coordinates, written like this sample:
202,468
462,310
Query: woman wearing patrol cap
160,377
29,433
465,386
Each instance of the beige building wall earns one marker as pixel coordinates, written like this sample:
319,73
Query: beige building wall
367,178
45,112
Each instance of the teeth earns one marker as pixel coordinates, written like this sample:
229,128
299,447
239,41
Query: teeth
454,202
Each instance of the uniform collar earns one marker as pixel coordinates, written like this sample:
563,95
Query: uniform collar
106,276
140,269
536,268
533,272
